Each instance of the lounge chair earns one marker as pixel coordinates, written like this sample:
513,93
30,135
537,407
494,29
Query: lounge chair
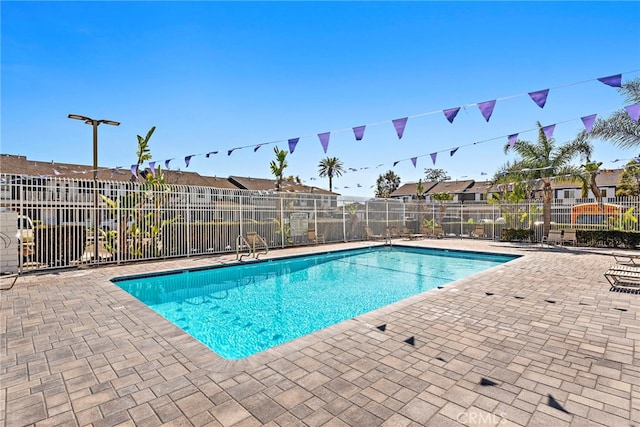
370,235
554,238
627,259
623,278
313,237
405,233
569,236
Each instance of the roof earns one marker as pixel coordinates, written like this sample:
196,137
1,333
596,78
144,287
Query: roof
261,184
454,187
20,165
605,178
411,189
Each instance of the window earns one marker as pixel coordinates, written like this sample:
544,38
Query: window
569,194
603,192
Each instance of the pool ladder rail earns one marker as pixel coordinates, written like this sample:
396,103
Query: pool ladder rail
250,242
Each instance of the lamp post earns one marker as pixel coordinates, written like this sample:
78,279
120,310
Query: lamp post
95,123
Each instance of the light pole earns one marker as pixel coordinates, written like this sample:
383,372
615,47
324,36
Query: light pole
95,123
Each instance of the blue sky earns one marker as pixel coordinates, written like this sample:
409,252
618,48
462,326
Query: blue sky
219,75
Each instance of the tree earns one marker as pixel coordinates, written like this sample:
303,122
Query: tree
278,166
330,167
543,161
629,185
591,171
419,190
619,128
386,184
436,175
442,198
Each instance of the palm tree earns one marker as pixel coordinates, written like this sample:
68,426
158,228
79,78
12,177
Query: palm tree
619,128
591,171
330,166
543,161
278,166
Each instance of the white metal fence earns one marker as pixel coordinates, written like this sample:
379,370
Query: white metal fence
137,222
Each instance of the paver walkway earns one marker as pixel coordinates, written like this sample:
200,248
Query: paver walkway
537,341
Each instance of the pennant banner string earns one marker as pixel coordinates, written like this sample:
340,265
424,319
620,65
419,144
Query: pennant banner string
359,130
399,124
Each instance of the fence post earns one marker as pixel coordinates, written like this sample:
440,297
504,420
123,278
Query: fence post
282,237
344,223
188,221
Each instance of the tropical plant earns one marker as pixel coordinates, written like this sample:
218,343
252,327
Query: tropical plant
278,166
386,184
330,167
419,190
591,171
618,128
545,161
139,213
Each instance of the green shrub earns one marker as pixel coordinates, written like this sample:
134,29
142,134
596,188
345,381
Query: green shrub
517,234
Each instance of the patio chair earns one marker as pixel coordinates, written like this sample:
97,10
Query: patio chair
313,237
624,278
370,235
405,233
569,236
627,259
554,238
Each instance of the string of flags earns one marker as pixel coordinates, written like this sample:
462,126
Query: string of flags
486,109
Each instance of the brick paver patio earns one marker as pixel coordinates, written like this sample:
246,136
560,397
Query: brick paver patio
538,341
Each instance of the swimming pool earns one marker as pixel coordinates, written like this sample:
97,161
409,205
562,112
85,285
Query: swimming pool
242,309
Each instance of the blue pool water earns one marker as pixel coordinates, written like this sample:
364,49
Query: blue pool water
240,310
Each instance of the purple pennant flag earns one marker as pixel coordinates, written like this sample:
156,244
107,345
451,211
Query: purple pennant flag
539,97
512,139
257,147
453,151
358,131
210,153
230,151
134,170
548,130
152,166
187,159
55,172
395,163
292,144
433,157
486,108
166,163
613,81
633,111
414,160
587,121
324,140
451,113
399,124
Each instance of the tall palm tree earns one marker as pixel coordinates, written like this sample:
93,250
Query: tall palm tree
544,160
330,166
278,166
619,128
